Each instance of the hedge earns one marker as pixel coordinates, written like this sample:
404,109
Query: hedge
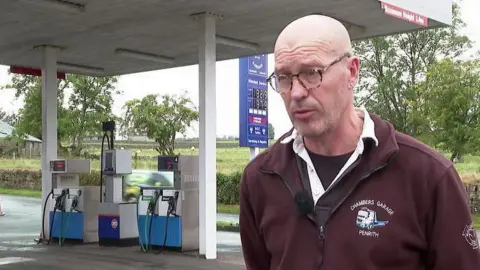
135,157
228,185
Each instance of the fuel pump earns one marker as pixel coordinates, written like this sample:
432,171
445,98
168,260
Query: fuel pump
74,207
168,216
117,224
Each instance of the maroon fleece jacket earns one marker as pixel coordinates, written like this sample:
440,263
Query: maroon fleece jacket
401,207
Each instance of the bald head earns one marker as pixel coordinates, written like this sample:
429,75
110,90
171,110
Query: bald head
316,72
316,30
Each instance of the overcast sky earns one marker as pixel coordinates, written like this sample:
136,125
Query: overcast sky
178,80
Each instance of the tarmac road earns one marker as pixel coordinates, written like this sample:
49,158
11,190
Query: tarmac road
22,218
22,222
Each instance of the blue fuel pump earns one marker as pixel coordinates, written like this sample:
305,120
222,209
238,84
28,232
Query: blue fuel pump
74,207
168,216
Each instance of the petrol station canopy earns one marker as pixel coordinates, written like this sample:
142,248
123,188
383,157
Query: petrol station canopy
115,37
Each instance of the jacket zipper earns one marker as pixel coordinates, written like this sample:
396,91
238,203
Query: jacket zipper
322,227
348,170
322,232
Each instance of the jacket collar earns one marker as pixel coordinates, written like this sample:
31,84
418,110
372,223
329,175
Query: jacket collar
368,132
379,144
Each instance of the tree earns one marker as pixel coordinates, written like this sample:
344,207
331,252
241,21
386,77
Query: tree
452,89
271,131
89,105
392,66
29,117
160,120
9,118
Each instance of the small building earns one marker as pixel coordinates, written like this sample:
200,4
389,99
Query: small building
9,146
139,138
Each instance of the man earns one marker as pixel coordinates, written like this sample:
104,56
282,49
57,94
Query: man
343,189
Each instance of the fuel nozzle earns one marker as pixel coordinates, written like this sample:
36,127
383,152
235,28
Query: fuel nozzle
59,200
153,202
74,194
75,203
172,204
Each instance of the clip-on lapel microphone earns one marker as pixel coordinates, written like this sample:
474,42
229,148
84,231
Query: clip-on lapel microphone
304,202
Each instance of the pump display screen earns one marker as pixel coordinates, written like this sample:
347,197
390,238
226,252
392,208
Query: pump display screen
167,163
165,178
58,165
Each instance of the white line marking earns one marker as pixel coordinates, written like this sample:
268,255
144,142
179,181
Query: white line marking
10,260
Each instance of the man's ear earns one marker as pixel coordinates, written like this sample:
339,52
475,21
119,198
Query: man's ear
354,68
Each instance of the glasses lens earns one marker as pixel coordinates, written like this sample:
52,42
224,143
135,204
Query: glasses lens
311,78
282,83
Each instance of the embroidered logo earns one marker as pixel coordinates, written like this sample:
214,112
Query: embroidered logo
367,219
471,236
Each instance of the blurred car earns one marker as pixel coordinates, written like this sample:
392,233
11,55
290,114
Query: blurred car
144,178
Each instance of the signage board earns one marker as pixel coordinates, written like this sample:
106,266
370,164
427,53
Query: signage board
403,14
253,71
419,12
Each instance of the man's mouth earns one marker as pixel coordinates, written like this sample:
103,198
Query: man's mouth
303,114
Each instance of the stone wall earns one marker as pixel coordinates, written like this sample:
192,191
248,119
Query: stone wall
474,192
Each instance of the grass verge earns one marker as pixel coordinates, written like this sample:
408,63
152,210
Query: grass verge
228,209
21,192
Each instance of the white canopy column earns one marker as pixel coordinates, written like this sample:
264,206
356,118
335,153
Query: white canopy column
208,135
49,122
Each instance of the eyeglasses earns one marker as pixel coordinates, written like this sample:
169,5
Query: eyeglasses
309,79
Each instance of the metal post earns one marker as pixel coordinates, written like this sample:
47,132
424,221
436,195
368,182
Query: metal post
254,151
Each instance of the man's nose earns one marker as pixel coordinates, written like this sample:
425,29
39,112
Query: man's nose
298,92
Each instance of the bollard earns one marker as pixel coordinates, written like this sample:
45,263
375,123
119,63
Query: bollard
1,212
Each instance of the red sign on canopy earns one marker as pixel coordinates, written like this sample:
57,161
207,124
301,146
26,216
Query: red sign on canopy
33,72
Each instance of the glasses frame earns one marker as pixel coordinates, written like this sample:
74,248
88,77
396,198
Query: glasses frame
321,71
